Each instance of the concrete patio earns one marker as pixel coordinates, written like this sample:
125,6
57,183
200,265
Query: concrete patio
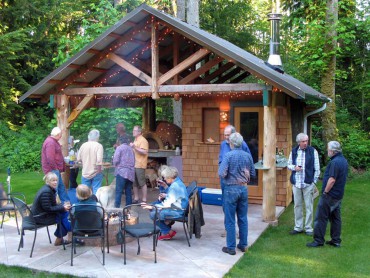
174,258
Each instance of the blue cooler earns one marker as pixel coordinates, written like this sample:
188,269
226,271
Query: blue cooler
212,196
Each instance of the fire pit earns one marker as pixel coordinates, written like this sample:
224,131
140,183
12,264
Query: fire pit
114,215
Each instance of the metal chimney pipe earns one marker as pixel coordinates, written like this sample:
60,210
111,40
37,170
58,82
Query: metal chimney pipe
274,58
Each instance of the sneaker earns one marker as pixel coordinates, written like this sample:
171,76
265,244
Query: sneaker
172,233
295,232
228,251
314,244
309,233
330,242
165,237
243,249
59,241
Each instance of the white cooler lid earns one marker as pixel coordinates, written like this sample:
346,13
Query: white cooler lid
212,191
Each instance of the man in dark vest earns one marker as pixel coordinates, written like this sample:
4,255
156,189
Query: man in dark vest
305,166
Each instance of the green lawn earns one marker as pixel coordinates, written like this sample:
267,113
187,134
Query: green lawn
26,183
278,254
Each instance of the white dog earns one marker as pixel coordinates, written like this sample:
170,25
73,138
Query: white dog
106,195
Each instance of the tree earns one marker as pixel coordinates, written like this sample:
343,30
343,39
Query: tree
328,116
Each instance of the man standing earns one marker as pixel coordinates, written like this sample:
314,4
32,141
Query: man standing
328,208
305,166
52,160
236,169
91,156
140,147
121,132
224,149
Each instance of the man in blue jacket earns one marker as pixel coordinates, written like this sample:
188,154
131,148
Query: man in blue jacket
328,209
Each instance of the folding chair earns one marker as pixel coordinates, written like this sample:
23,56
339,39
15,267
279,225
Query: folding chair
29,222
87,222
145,227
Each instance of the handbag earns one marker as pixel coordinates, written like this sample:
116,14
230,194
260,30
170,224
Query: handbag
119,236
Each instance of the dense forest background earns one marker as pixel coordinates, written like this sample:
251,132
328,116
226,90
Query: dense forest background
36,36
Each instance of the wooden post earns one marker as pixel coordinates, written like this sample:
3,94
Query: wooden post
269,159
62,120
155,65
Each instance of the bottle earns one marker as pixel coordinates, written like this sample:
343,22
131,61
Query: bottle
177,151
72,157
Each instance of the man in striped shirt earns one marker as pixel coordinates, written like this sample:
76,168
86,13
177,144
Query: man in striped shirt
305,166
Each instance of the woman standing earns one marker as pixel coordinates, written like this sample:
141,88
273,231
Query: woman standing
124,161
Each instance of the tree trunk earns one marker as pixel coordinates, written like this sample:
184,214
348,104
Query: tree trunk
192,12
181,9
177,105
329,124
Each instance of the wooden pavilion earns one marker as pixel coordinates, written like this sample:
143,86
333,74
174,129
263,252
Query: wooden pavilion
149,55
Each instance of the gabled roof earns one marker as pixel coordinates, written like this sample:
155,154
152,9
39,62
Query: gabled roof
106,61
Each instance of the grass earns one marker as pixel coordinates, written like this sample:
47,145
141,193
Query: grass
26,183
15,271
278,254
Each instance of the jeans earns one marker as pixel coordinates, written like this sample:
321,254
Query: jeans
123,184
65,227
162,216
73,177
236,201
61,190
303,195
222,184
95,182
328,209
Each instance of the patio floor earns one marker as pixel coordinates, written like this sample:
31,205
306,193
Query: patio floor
174,258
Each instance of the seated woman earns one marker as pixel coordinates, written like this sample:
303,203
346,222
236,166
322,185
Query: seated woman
51,212
176,197
162,185
85,197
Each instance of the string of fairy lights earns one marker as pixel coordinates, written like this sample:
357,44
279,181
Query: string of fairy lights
165,31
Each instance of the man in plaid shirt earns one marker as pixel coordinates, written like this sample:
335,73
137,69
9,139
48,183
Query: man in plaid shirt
305,166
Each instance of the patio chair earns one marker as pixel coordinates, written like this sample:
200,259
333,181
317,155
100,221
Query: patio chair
143,227
191,188
29,222
88,221
7,206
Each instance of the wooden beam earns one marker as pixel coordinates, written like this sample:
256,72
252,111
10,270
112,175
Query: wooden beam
240,77
112,71
206,67
216,73
176,55
181,89
269,161
222,79
95,60
62,105
77,111
155,61
183,65
130,68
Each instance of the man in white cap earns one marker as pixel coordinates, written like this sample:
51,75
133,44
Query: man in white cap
52,160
